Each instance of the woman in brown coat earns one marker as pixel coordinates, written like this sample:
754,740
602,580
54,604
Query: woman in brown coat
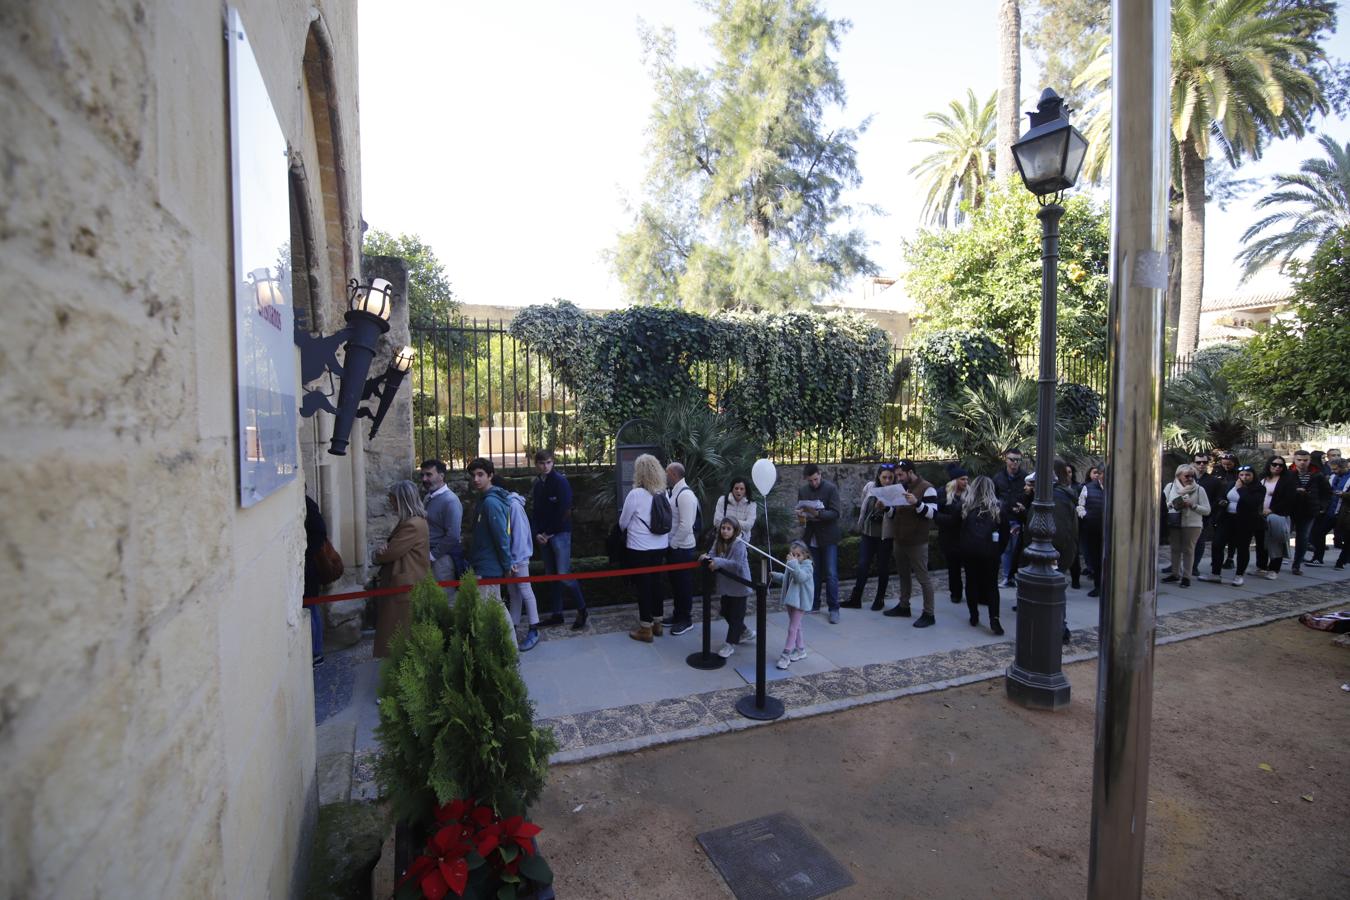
405,559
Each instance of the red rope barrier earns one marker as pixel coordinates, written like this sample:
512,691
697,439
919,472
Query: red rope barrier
533,579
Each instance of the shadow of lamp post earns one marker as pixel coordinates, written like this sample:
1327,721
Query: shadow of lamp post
1049,157
367,319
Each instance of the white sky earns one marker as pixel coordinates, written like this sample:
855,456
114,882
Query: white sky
511,136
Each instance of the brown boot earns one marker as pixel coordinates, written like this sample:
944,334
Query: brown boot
657,628
642,633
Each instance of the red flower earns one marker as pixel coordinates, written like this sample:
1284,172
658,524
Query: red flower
487,839
518,830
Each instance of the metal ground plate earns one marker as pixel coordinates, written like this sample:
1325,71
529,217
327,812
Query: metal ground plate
774,858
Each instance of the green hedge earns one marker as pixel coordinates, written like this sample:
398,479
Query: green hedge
455,438
550,430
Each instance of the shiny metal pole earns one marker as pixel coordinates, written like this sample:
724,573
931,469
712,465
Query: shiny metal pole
1036,678
1141,34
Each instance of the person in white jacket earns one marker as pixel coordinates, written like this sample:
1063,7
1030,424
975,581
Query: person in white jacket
1187,506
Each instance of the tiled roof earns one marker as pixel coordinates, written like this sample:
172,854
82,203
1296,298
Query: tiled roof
1266,300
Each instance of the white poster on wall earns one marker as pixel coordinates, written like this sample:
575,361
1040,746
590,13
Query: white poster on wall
264,321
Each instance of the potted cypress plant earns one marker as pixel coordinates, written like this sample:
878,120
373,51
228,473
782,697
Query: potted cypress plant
460,758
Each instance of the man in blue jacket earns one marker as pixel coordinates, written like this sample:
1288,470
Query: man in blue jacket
490,550
551,523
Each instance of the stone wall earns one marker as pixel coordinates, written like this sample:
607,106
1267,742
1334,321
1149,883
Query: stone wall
156,708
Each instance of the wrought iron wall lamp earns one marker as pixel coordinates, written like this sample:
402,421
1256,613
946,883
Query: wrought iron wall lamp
367,319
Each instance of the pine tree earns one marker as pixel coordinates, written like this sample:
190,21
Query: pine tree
744,193
456,720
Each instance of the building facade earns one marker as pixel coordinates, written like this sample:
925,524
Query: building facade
156,701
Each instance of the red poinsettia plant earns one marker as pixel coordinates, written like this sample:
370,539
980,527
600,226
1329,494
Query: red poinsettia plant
474,853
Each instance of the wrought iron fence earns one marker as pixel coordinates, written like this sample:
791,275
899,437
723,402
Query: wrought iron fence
479,392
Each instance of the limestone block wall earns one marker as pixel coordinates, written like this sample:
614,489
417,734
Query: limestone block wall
156,708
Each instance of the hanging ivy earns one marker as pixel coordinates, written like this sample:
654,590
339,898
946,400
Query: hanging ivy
779,375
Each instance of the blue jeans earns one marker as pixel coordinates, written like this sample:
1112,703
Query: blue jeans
1005,563
316,631
557,555
1302,532
825,567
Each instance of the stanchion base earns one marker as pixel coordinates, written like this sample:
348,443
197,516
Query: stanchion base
706,662
773,708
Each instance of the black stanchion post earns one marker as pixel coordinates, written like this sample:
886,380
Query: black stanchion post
705,658
761,706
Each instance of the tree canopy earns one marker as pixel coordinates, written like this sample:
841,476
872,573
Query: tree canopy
743,197
987,276
1295,368
431,302
956,173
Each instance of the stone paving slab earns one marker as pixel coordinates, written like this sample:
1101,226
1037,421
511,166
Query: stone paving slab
601,732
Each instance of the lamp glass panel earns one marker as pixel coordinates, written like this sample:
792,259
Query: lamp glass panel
1073,163
1042,159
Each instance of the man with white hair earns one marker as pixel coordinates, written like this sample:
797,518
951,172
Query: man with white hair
684,516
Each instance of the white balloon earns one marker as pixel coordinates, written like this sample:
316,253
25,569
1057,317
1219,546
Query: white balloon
765,475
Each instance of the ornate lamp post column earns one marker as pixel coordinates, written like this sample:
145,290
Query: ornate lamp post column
1049,157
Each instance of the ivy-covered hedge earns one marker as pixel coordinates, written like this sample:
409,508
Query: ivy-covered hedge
945,360
781,374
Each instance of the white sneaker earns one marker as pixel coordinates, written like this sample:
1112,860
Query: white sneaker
749,635
784,661
726,650
1271,576
1238,581
799,653
1205,576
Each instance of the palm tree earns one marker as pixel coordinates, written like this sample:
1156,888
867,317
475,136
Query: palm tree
1318,198
1010,83
1202,410
963,167
1240,76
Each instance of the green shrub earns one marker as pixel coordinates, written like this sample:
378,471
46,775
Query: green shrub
950,359
455,718
552,429
453,437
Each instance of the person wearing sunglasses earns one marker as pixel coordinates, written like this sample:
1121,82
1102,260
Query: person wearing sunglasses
1281,490
1187,505
1008,483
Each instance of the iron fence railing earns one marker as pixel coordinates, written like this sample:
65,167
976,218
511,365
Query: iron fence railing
479,392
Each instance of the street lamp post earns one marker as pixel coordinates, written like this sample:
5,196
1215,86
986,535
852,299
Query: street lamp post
1049,157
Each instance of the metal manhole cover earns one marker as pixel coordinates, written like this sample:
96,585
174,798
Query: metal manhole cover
773,857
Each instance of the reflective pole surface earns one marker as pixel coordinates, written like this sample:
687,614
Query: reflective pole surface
1139,168
1036,677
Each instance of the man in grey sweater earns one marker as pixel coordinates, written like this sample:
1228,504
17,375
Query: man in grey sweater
820,518
445,515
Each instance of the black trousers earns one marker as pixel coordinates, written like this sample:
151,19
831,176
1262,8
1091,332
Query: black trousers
650,599
955,565
981,583
1220,544
1090,548
733,610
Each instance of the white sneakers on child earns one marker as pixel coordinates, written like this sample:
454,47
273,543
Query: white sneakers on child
784,661
799,653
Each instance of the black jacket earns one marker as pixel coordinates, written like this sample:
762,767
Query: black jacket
1009,490
1313,501
948,520
1286,494
983,537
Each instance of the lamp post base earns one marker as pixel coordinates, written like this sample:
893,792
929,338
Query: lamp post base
1036,679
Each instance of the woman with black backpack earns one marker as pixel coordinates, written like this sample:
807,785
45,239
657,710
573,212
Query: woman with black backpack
983,536
647,535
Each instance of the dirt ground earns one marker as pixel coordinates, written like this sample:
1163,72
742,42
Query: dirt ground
960,794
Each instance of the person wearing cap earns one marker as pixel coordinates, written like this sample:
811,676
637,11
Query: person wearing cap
951,501
1245,499
910,527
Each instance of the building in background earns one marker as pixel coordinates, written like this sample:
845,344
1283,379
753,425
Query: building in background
156,701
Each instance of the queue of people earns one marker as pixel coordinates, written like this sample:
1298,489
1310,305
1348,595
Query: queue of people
981,530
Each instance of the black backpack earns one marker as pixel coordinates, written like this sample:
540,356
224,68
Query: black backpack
661,515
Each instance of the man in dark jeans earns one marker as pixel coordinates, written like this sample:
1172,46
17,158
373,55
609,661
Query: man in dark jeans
551,522
821,534
1214,489
1311,500
1008,484
1220,540
1339,482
